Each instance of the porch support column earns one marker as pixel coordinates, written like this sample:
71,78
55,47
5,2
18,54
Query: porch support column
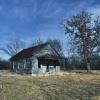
24,64
33,66
18,65
13,65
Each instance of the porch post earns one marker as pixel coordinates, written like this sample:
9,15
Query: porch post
32,66
18,67
13,65
24,66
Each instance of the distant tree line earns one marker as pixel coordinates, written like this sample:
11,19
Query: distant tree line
75,63
4,65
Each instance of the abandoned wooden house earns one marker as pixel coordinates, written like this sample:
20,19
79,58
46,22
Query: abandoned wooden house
38,59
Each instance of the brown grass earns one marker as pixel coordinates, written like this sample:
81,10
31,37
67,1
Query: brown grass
70,86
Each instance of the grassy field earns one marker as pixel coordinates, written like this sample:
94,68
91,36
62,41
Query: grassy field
68,87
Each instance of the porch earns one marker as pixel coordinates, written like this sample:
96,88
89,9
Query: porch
48,65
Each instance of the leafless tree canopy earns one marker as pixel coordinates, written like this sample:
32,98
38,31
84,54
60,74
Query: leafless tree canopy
84,31
13,46
56,44
37,42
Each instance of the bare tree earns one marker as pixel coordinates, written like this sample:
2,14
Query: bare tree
13,46
85,34
97,34
56,44
37,42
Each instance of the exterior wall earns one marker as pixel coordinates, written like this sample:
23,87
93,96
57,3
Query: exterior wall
35,65
21,66
28,66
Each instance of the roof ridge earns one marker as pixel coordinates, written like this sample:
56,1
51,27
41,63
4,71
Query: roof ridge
35,46
28,51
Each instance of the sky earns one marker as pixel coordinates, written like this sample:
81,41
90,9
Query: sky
30,19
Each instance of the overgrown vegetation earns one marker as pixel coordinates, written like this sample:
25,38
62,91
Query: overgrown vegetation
68,87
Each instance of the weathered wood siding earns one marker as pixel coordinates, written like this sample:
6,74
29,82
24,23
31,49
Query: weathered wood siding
30,65
22,66
46,50
35,65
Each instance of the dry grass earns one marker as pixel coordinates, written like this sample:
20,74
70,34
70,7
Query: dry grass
78,86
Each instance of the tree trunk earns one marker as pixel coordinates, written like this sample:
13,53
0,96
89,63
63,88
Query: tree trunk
88,66
87,63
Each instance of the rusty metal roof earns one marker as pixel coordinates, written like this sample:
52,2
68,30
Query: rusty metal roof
25,53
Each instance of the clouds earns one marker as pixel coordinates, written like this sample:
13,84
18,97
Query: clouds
96,2
36,12
39,18
95,10
28,10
